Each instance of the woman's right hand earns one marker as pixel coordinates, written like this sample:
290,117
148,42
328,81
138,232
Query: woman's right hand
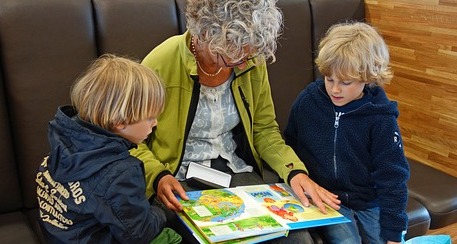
166,189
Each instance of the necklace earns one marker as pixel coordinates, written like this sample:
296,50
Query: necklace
198,63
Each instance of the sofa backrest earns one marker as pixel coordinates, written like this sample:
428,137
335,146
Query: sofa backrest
46,44
9,188
134,28
292,70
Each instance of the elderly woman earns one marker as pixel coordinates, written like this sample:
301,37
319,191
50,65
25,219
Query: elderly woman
219,110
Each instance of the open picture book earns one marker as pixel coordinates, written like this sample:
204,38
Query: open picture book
250,214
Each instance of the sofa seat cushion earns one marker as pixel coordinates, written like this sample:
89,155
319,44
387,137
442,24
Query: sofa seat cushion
418,219
436,190
15,228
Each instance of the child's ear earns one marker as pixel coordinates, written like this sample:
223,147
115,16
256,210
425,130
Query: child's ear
119,127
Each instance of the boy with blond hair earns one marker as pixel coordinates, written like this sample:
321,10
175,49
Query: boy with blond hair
90,190
345,129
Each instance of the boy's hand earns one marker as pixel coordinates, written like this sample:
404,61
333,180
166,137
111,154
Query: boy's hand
166,189
301,183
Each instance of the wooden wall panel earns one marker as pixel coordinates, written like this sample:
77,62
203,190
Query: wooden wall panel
422,38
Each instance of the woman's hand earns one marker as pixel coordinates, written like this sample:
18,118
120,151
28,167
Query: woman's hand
302,184
166,189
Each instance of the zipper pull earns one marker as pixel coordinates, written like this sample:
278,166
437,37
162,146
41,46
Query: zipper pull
337,119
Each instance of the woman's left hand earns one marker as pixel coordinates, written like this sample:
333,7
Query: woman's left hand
302,184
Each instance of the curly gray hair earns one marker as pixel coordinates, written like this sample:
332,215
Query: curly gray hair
229,26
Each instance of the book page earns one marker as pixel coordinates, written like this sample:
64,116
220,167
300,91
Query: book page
239,212
280,200
227,214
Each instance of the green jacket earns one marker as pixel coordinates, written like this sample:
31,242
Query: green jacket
258,136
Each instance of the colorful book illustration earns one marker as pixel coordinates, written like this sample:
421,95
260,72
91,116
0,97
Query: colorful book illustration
259,212
280,200
247,240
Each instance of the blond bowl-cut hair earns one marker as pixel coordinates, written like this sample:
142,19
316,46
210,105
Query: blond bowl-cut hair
354,51
116,90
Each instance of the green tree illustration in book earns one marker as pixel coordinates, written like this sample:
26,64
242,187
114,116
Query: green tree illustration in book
250,213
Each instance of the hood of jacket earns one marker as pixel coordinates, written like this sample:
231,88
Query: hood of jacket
80,149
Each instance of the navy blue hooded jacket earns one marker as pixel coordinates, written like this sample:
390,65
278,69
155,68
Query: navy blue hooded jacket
355,151
90,190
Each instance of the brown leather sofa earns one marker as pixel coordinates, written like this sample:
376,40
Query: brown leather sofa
436,190
45,44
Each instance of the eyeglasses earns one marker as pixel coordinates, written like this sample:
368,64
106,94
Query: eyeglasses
231,65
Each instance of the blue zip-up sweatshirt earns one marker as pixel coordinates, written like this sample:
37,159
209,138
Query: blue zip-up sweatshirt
355,151
90,190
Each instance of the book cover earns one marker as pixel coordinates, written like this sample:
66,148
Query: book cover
221,215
